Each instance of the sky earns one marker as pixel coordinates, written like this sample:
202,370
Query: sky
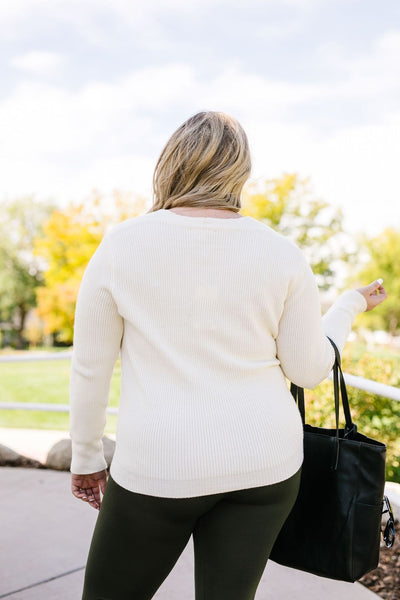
91,90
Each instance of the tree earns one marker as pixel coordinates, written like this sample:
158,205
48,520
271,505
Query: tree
70,237
17,290
383,252
20,273
288,205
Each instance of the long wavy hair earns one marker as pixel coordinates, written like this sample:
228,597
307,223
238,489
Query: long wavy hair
205,163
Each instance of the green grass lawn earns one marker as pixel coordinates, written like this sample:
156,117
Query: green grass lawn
44,381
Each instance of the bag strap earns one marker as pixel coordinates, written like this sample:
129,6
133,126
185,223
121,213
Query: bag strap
298,395
338,374
340,391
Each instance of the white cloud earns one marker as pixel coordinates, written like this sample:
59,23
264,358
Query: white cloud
11,11
39,62
92,18
355,168
60,142
125,172
44,118
95,20
64,142
374,74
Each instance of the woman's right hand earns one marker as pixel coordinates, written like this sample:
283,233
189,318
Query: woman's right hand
374,293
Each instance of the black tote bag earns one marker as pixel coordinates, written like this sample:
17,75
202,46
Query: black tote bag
334,527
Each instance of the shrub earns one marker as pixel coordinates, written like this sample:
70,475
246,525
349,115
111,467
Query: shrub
375,416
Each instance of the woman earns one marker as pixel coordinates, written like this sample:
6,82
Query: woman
210,311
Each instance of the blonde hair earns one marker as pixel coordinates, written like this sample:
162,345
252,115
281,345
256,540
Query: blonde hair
205,162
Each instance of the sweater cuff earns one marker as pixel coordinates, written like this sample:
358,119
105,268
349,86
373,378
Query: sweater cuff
339,318
353,300
87,458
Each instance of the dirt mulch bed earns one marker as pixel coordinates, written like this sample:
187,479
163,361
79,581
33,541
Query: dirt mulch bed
385,579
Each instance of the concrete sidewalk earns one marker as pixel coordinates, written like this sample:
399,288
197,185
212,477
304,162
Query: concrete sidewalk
45,536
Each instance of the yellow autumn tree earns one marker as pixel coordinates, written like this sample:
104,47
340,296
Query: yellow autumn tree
288,204
70,237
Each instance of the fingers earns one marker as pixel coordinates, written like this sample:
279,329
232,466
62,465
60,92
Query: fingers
376,289
96,497
377,294
79,492
374,293
90,495
93,497
375,286
378,298
103,483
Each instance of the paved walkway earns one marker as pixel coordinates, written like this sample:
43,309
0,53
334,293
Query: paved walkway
45,536
46,532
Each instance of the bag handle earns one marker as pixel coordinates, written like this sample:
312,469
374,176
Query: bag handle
340,391
337,370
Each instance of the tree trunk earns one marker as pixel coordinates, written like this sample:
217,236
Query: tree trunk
22,312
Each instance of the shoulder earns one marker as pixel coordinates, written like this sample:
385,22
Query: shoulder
282,246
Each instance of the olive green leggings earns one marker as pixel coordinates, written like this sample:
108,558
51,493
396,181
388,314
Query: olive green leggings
138,539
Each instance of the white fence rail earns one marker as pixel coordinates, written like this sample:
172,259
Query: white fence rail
45,407
371,386
35,356
367,385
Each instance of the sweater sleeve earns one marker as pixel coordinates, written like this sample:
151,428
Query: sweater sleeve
303,349
338,320
98,331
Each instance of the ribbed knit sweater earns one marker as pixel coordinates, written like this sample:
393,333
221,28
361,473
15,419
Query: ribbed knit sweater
210,315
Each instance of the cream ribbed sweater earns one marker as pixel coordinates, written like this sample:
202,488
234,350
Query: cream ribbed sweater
209,315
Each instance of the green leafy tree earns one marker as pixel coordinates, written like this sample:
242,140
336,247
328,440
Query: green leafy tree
382,260
20,273
17,290
288,205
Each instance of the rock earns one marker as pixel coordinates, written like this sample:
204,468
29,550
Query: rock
59,455
10,458
7,455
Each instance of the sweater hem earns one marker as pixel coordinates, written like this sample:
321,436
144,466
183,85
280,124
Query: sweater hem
204,486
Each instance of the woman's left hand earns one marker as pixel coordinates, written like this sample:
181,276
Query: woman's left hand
88,487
